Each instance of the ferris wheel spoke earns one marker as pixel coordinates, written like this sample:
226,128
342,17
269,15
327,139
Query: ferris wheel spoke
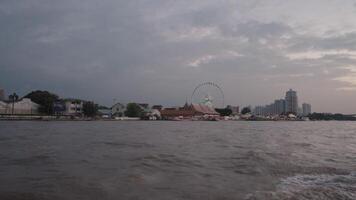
207,98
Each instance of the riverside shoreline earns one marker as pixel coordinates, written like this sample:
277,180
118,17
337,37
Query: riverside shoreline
58,118
71,118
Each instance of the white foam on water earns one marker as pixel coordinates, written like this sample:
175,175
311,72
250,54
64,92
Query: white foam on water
316,187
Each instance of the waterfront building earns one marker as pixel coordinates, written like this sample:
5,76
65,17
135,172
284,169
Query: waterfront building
275,108
73,107
118,110
289,105
3,107
291,101
280,106
152,114
144,106
157,107
268,109
59,108
259,110
23,106
306,109
189,111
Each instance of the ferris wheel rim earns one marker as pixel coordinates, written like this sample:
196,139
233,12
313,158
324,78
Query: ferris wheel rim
211,84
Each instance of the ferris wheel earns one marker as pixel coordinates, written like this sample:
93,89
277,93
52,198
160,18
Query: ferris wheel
209,94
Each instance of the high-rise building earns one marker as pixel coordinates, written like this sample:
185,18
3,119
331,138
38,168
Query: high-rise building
291,102
259,110
2,95
276,108
306,109
280,106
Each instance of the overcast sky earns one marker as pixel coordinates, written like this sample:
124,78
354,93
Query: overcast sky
157,51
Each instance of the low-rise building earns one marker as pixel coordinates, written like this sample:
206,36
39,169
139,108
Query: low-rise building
144,106
157,107
118,110
188,111
59,108
23,106
152,114
3,107
73,107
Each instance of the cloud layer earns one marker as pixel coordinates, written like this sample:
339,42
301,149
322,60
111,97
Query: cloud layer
157,51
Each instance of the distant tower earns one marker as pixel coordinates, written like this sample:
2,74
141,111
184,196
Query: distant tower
2,95
306,109
291,102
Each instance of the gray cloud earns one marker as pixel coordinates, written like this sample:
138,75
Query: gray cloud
157,51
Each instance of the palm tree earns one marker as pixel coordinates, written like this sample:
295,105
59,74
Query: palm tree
13,97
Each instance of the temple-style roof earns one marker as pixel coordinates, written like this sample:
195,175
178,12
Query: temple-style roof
204,109
189,111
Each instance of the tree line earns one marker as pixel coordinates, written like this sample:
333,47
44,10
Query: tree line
330,116
46,101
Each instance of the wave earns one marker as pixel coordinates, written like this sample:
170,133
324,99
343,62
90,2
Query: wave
316,187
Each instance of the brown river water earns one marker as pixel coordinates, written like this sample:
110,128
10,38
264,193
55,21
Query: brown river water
163,160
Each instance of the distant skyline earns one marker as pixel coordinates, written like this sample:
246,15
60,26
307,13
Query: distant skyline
158,51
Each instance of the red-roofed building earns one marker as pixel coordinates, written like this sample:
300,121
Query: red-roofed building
188,111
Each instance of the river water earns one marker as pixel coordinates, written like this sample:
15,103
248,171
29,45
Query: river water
163,160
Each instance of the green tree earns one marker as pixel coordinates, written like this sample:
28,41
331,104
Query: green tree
329,116
224,111
245,110
133,110
43,98
90,109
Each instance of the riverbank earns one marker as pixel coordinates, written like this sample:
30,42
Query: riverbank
61,118
72,118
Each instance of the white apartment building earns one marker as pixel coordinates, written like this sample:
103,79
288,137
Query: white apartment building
73,107
118,110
